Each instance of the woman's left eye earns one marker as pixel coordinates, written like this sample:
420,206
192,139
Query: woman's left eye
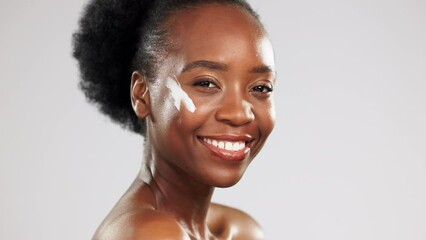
262,89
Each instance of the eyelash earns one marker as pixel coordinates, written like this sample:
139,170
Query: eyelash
262,89
205,83
208,84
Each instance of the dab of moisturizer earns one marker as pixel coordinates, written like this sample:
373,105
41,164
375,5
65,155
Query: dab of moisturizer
179,96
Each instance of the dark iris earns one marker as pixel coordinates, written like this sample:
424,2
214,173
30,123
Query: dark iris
263,89
205,83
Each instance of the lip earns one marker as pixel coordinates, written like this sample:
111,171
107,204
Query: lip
228,155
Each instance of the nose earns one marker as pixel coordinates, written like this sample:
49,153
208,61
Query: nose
235,110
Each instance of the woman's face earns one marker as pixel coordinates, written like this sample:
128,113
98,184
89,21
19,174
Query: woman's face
211,107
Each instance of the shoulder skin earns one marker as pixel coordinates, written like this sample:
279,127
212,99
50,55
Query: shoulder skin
231,222
144,224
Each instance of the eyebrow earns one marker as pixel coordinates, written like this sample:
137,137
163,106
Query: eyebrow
222,67
205,64
261,69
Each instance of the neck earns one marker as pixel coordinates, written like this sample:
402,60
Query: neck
178,194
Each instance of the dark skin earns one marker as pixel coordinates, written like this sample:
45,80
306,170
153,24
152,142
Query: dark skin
224,63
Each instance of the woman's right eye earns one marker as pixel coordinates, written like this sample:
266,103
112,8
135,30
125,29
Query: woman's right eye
205,83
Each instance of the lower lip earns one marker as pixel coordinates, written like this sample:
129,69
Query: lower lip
234,156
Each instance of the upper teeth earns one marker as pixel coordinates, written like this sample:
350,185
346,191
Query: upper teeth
227,145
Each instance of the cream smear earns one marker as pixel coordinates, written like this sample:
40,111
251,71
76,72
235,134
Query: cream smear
179,96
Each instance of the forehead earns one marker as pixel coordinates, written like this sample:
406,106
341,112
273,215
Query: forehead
218,32
215,14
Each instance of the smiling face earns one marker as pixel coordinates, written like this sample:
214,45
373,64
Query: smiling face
211,106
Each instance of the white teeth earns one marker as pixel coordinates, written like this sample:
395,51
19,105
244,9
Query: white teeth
230,146
236,146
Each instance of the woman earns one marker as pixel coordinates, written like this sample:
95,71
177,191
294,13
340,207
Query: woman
195,78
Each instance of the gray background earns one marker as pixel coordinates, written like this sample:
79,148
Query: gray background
347,159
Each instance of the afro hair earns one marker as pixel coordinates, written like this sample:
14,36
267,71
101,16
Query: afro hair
117,37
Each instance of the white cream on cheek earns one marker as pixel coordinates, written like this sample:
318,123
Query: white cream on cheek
180,97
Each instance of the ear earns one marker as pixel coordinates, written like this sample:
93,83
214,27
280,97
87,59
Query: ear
139,94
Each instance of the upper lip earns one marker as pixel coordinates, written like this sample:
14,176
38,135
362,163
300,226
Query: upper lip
229,137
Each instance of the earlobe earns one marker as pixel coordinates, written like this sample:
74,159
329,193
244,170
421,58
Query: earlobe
139,94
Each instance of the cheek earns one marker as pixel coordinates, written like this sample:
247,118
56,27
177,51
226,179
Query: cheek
162,106
179,96
265,114
202,116
171,105
199,117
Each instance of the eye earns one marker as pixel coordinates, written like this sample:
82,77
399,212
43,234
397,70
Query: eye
262,89
205,83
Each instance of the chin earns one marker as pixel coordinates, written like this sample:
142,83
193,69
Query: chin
226,185
226,180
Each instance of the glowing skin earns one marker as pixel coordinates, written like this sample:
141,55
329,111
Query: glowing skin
266,53
179,96
223,64
226,75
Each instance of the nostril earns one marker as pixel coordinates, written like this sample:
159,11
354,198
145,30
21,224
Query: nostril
235,113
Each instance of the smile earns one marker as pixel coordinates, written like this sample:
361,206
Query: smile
226,145
232,149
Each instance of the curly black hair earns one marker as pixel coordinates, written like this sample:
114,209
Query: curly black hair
117,37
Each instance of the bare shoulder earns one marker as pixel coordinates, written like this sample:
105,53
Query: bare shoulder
141,224
228,221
